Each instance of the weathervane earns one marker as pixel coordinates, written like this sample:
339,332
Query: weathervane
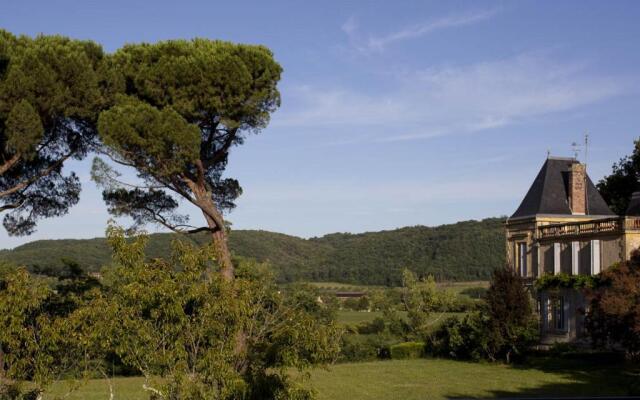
575,147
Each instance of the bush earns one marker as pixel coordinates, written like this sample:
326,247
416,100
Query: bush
364,347
407,350
375,326
475,292
463,304
459,338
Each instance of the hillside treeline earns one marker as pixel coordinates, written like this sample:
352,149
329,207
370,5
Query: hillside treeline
467,250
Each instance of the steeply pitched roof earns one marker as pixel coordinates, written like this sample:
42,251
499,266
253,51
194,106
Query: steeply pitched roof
549,192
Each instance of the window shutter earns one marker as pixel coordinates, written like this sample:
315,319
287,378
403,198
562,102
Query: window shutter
595,257
575,258
556,258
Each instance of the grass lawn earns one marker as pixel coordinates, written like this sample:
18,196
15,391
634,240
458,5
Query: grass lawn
435,379
445,379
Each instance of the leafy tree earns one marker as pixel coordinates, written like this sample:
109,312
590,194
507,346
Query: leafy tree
176,324
38,346
182,106
511,325
617,188
50,97
421,298
614,315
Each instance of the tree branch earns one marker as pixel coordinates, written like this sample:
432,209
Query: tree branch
25,184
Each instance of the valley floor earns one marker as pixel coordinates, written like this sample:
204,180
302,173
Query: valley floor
437,379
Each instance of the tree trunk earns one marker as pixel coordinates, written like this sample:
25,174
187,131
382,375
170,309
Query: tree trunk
215,222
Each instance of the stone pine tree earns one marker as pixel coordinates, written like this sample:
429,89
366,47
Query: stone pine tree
182,106
618,187
50,98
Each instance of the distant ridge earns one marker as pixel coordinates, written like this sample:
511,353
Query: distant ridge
467,250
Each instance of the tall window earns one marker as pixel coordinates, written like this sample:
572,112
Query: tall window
555,313
522,258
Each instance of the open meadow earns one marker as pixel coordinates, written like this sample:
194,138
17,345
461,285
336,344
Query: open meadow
433,379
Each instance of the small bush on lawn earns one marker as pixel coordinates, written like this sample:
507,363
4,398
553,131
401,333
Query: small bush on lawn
364,347
407,350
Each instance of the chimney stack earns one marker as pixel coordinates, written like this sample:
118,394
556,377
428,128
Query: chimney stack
577,189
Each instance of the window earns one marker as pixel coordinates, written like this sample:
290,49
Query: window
595,257
522,258
555,313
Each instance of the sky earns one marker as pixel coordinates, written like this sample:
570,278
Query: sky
393,113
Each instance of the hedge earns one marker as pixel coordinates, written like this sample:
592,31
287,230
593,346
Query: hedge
407,350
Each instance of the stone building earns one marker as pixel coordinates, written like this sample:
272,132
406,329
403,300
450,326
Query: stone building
563,225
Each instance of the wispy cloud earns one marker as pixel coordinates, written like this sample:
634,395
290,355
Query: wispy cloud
451,99
370,44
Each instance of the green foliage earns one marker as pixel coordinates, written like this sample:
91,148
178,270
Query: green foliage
617,188
504,329
563,280
376,326
474,292
180,107
45,334
613,319
421,298
50,98
377,258
460,338
178,324
365,347
407,350
511,326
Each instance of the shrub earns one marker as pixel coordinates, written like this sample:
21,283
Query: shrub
364,347
375,326
407,350
511,326
463,304
475,292
614,316
460,338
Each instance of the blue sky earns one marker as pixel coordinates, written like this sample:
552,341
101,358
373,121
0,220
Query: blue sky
393,113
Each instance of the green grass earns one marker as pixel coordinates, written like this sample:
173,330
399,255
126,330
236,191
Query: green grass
434,379
442,379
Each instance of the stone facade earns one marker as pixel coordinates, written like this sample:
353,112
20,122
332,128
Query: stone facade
563,227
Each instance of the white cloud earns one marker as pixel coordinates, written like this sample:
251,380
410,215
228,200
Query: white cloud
379,43
450,99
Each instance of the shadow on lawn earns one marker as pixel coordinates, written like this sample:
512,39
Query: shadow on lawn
597,375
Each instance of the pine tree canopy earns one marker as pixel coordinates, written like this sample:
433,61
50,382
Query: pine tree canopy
50,98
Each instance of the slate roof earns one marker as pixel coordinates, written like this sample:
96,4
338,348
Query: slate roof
549,192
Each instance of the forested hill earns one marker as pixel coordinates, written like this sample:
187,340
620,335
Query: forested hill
467,250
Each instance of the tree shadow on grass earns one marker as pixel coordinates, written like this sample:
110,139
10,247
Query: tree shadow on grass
591,375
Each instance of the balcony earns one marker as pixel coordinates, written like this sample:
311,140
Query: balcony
586,228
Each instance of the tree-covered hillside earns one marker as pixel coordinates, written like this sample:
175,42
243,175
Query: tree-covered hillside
467,250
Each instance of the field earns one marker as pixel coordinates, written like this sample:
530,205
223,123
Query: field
435,379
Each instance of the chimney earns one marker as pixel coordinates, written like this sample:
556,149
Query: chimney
634,205
577,186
